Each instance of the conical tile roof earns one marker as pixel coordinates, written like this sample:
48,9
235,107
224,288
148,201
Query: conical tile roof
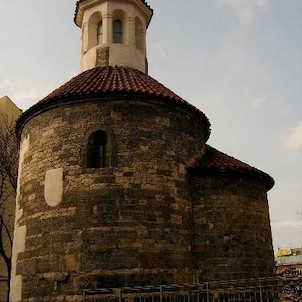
104,82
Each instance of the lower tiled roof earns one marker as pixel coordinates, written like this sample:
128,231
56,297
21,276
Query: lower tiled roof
101,82
217,161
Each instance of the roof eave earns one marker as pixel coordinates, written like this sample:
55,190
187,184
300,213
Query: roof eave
58,101
263,177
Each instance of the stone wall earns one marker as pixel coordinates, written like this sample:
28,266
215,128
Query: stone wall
127,224
232,228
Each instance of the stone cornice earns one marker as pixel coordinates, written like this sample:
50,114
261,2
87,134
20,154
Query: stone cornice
84,4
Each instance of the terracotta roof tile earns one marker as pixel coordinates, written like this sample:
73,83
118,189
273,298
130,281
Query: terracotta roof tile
214,160
112,81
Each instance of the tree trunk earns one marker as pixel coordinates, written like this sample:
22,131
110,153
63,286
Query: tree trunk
9,268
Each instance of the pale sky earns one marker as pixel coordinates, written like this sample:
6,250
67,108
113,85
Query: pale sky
239,61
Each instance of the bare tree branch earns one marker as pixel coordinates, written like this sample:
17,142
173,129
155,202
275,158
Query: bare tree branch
9,155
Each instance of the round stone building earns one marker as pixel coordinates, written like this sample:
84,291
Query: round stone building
117,186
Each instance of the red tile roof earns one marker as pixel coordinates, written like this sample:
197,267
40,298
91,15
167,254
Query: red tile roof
79,1
216,161
122,82
112,79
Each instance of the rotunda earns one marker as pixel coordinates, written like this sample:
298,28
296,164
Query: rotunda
117,186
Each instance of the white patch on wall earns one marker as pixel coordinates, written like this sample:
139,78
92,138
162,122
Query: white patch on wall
24,147
19,232
53,187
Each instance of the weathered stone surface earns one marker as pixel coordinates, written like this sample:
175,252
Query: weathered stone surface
142,219
232,229
127,224
102,56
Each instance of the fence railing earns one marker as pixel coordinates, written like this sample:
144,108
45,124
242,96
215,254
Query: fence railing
251,290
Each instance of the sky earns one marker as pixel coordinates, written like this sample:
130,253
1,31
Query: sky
238,61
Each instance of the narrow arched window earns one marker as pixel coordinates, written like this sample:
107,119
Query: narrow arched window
96,150
117,32
100,33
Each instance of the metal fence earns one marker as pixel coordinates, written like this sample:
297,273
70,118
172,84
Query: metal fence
251,290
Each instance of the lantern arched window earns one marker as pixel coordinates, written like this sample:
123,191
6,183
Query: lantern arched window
117,31
100,33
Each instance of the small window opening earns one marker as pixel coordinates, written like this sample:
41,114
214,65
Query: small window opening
96,151
100,33
117,31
